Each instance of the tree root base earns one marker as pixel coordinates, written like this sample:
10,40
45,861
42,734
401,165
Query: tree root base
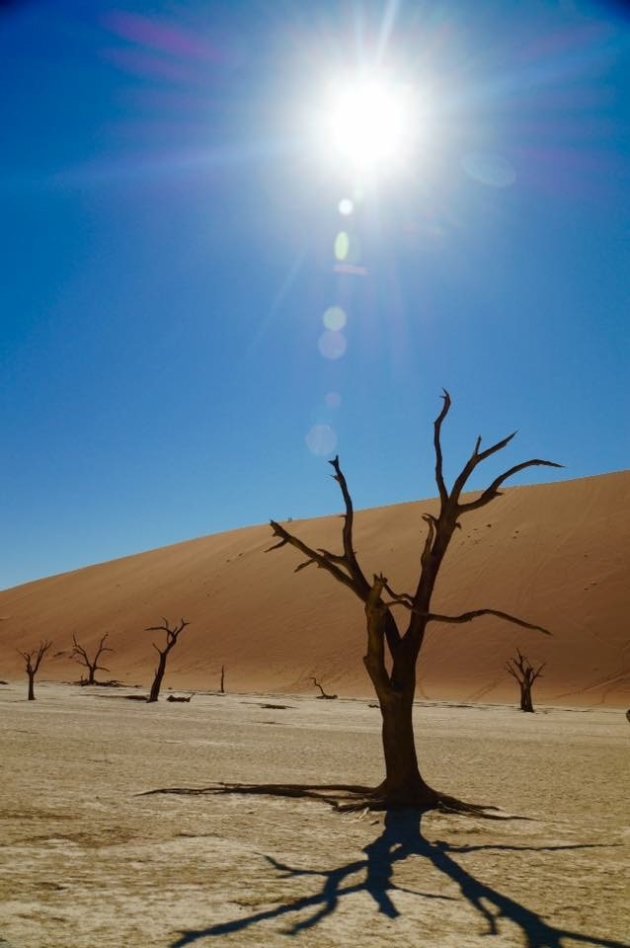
348,798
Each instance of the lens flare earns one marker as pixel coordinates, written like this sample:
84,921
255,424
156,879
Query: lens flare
489,169
334,318
332,400
332,345
345,207
342,245
321,440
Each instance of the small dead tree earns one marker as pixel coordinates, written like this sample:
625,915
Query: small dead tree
323,693
222,685
525,674
172,635
32,661
80,654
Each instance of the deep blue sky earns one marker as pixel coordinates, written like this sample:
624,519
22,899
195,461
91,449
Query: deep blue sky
168,234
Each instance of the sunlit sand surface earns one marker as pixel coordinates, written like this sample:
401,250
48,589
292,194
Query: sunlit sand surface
86,861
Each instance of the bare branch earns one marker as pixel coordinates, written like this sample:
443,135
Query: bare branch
476,458
33,659
437,433
276,546
428,543
333,564
397,599
348,522
475,613
492,491
333,557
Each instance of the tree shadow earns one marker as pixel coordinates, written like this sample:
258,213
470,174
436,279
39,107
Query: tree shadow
400,839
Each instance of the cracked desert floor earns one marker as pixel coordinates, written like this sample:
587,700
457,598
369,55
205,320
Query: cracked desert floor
87,859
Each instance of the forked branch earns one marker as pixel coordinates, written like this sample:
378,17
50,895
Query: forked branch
33,659
522,669
493,490
344,567
333,563
172,634
451,501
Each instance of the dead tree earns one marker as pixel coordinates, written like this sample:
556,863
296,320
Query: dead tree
525,674
323,693
222,686
80,654
172,635
393,644
32,661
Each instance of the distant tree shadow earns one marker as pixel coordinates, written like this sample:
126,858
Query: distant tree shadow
400,839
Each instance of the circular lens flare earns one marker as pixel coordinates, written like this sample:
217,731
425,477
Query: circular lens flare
321,440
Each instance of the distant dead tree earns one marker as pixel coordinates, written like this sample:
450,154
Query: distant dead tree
172,635
80,654
323,693
222,685
525,674
32,661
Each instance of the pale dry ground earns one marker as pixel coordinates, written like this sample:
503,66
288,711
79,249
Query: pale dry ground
556,554
85,861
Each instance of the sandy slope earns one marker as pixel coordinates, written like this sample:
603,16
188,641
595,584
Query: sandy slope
557,554
85,861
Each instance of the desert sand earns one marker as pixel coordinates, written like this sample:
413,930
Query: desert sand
87,860
555,554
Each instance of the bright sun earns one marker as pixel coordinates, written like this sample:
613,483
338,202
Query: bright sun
368,123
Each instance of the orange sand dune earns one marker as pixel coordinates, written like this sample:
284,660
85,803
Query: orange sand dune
555,554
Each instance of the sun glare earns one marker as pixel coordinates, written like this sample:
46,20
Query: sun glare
368,123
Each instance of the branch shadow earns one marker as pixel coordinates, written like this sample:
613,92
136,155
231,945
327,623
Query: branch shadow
402,838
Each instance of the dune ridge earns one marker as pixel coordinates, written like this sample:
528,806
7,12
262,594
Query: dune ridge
555,554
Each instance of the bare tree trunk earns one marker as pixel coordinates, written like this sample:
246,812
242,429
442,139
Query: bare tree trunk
526,697
403,784
159,676
222,688
31,686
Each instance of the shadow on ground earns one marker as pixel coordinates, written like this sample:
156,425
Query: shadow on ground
402,838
